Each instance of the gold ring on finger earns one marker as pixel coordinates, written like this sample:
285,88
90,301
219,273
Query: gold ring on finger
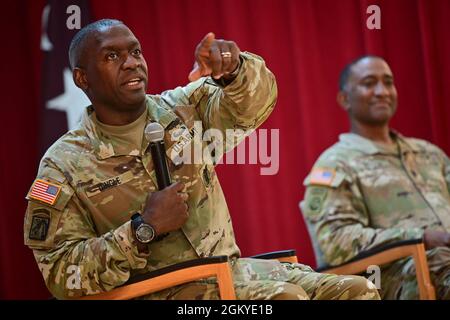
226,54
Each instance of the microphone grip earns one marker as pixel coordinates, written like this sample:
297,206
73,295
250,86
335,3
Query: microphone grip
157,150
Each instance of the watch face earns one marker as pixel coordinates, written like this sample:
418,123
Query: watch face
145,233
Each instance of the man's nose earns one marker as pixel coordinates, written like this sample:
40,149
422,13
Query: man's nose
381,89
131,62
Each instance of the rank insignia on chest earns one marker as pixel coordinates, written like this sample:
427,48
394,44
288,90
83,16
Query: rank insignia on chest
45,191
322,176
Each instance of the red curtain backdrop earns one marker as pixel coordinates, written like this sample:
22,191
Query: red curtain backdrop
305,43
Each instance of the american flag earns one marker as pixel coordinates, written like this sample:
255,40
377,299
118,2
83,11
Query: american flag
45,191
322,176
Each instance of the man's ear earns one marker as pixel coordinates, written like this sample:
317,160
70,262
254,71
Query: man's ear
342,100
79,77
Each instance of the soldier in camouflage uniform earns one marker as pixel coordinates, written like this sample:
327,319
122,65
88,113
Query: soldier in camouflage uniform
94,178
375,186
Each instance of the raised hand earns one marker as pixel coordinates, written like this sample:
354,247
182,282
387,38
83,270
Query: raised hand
217,58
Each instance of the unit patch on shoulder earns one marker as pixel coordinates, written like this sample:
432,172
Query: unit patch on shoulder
39,224
322,176
316,198
315,204
45,191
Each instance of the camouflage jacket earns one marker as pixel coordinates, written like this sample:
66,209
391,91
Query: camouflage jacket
361,195
78,222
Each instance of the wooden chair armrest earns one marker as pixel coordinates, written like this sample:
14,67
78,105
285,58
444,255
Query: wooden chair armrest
282,256
174,275
389,253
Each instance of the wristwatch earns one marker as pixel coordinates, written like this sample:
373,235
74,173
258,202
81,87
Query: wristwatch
144,232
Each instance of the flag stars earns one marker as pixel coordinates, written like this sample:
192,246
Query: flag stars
72,101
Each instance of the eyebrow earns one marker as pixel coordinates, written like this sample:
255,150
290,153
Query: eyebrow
373,76
118,48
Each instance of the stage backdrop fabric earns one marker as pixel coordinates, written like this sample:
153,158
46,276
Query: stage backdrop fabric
305,43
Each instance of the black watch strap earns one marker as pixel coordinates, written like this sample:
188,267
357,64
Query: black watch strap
136,220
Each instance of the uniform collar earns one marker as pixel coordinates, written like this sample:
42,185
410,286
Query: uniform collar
105,148
367,146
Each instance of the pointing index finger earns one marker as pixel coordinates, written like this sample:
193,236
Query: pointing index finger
208,40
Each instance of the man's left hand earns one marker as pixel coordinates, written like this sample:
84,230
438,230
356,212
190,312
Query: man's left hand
433,239
217,58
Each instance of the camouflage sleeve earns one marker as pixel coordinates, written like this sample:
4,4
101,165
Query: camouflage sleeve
73,260
446,169
243,104
338,217
443,158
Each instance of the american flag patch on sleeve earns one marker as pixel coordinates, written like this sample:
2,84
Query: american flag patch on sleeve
45,191
323,176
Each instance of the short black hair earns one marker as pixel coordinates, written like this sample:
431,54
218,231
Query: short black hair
346,72
79,40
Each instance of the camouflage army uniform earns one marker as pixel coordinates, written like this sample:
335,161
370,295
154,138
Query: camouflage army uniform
361,195
82,241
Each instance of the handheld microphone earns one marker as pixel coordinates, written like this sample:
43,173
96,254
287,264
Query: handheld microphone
154,133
